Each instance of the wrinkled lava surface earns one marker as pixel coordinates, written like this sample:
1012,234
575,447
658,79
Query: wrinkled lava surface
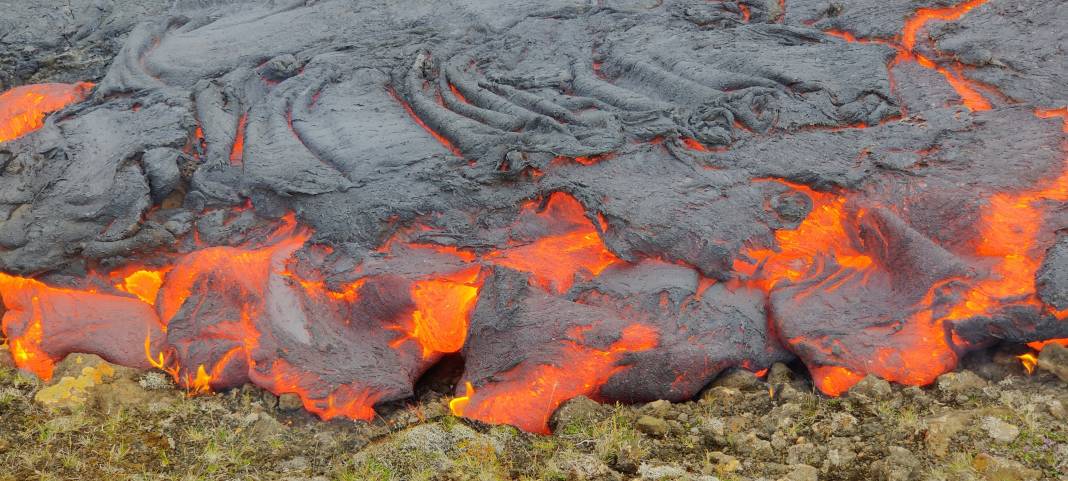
612,199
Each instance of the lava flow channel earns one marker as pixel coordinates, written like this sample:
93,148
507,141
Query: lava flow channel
905,45
23,109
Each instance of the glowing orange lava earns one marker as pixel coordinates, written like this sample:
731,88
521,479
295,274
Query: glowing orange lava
1029,362
922,16
555,259
144,284
525,398
967,89
23,109
1051,113
433,133
822,233
442,311
237,153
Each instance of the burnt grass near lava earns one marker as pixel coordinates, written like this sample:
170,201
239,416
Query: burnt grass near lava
624,201
99,421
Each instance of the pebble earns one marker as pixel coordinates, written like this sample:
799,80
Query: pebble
652,426
999,430
801,472
1054,358
289,402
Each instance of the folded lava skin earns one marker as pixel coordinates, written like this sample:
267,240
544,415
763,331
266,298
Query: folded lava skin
618,200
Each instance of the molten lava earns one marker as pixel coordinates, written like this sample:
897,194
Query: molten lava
442,310
573,247
23,109
967,89
526,398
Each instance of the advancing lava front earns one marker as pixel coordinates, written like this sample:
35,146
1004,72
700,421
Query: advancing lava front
618,200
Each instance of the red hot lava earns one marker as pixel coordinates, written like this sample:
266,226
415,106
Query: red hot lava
23,109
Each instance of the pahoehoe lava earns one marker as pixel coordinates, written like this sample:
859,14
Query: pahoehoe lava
615,199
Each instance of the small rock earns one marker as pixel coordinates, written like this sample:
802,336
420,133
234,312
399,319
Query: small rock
999,430
725,463
627,459
720,395
154,381
266,426
941,429
1057,410
960,382
666,472
586,466
753,446
1054,358
801,472
739,379
652,426
898,464
659,408
788,393
805,453
576,412
72,381
840,451
289,402
994,468
871,387
281,67
298,463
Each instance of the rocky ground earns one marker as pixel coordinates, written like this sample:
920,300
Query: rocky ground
99,421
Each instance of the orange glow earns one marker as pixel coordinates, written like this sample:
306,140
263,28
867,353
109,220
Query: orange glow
1038,345
848,37
553,260
525,397
459,403
456,92
821,233
1029,362
1051,113
442,311
23,109
967,89
25,348
693,144
144,284
411,113
238,151
349,401
834,380
914,23
40,321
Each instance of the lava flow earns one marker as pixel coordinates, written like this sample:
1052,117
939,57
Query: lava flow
629,211
526,398
554,259
23,109
905,46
